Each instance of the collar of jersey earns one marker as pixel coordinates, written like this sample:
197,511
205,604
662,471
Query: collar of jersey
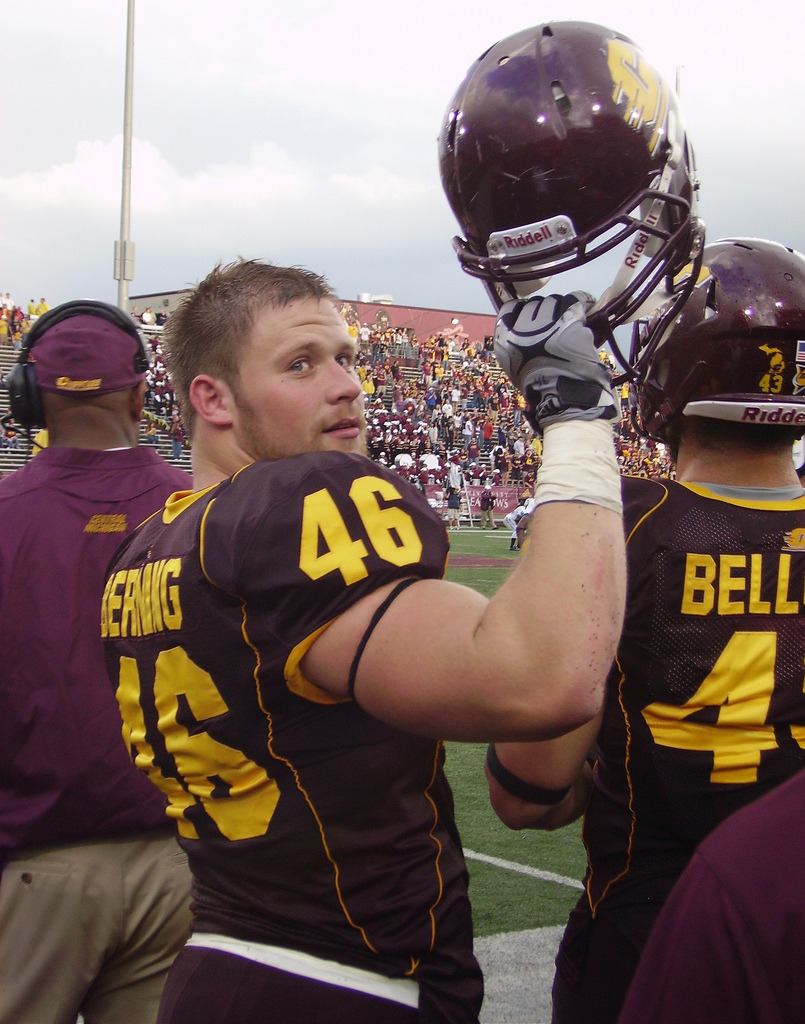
751,497
180,500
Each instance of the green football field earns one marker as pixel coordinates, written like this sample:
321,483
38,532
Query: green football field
518,880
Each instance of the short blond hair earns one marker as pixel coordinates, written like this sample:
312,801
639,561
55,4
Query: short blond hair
207,330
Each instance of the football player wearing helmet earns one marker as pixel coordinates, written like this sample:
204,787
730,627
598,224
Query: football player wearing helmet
705,709
562,144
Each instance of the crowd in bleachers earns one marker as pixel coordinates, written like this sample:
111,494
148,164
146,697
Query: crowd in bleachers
15,321
430,404
455,404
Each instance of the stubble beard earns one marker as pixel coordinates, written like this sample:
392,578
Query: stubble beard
260,446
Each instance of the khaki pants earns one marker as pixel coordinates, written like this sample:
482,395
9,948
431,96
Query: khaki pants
91,928
488,518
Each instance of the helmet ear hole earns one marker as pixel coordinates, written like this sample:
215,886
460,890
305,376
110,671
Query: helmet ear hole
711,301
662,372
560,98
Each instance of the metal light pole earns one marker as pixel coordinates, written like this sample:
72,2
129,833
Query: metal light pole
124,249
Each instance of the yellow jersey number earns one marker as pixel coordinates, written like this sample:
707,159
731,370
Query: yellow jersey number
390,530
740,685
241,797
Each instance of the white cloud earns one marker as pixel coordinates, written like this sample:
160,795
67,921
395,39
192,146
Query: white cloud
308,132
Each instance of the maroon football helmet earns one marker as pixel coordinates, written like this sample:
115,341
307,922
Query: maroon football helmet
735,351
561,143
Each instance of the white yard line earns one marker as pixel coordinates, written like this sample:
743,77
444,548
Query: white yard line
523,869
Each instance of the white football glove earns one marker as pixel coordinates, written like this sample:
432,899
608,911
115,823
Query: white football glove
547,351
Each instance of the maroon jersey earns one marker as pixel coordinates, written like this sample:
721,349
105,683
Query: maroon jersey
728,944
65,774
705,708
308,824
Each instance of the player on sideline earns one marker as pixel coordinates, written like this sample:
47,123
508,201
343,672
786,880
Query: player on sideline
705,709
288,659
94,897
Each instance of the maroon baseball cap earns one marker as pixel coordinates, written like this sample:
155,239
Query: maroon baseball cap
86,355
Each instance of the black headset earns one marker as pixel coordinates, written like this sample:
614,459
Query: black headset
25,399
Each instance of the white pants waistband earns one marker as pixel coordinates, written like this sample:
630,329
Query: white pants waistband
399,990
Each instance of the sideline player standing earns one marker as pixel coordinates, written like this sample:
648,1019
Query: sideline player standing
705,709
94,893
289,660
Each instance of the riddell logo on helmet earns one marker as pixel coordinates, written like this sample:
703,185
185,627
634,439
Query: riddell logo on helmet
777,414
523,241
543,234
639,247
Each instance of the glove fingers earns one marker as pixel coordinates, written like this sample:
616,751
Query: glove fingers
586,300
548,351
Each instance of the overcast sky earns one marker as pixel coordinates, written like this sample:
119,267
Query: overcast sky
305,132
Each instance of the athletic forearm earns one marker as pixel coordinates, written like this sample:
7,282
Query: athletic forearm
542,785
518,813
560,613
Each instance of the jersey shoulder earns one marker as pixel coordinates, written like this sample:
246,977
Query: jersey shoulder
317,516
642,497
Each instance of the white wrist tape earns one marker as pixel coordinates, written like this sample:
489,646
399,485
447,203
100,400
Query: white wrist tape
579,464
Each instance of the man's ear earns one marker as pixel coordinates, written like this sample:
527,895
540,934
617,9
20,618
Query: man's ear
137,400
213,400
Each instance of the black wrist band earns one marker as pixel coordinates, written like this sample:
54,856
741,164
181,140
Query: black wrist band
518,787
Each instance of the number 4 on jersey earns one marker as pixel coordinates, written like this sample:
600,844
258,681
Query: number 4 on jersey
740,685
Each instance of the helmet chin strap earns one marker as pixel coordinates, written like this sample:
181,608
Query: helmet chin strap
525,289
640,244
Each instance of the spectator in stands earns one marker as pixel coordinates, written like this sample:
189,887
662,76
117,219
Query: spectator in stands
487,432
176,434
380,378
10,438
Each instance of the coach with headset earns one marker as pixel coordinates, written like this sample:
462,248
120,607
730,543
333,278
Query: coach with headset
94,889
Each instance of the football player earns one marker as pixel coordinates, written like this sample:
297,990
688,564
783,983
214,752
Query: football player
288,660
705,709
